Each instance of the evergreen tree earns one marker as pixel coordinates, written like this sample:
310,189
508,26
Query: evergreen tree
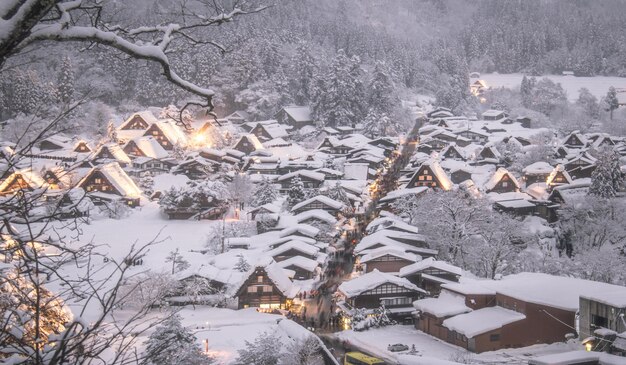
264,193
303,71
381,98
371,125
265,350
336,192
526,91
611,101
65,84
146,183
606,179
547,96
297,193
589,103
242,265
173,344
335,96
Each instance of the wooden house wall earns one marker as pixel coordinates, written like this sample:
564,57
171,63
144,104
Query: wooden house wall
251,293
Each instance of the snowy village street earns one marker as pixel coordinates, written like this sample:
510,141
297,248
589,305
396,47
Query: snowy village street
312,182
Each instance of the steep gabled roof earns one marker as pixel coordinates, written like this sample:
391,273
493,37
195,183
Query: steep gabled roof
559,169
429,263
32,179
115,150
391,251
114,174
146,115
150,147
372,280
303,173
299,113
497,176
321,199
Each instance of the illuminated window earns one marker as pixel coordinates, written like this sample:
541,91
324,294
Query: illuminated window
98,180
252,289
429,178
267,288
425,171
505,184
421,177
259,279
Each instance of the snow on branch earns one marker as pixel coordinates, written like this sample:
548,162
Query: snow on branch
23,23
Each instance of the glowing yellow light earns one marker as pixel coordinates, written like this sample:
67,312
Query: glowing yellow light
588,346
199,138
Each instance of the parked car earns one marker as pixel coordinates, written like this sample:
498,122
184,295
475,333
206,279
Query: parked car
397,347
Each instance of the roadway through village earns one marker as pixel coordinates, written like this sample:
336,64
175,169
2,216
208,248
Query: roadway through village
319,313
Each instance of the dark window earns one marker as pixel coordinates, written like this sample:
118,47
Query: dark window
599,320
494,337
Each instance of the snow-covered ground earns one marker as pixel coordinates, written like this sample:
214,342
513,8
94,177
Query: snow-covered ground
431,350
597,85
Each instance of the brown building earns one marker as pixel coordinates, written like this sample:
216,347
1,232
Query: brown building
376,288
430,174
109,182
267,287
429,274
23,180
502,181
248,143
517,311
387,259
138,121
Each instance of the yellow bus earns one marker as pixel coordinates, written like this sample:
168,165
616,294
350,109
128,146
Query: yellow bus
357,358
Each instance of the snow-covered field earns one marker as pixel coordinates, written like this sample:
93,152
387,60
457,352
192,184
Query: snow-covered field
597,85
431,350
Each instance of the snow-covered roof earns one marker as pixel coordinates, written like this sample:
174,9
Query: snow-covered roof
578,357
614,298
396,194
172,132
439,173
318,214
146,115
493,113
28,175
303,228
275,130
482,320
389,250
299,113
295,245
150,147
301,262
321,199
115,150
538,168
269,207
286,239
303,173
388,237
390,223
446,305
559,169
497,176
118,178
544,289
252,139
372,280
429,263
